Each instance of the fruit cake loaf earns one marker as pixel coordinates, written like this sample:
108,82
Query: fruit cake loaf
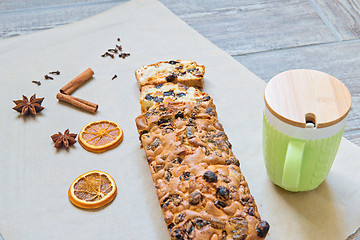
186,72
200,188
168,92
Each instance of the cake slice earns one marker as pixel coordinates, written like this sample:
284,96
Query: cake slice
168,92
186,72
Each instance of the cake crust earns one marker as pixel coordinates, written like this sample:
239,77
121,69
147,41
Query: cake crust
199,184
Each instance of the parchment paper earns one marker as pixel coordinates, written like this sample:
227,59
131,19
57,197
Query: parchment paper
34,176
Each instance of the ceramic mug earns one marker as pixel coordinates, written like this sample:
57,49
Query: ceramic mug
296,158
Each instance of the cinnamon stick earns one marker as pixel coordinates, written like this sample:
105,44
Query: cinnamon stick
77,102
77,81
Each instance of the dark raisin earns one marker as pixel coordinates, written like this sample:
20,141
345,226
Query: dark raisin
167,176
191,122
172,62
250,211
169,93
244,200
238,235
143,132
227,143
217,223
147,115
238,223
225,180
220,204
170,78
222,193
262,228
178,160
165,203
185,176
210,111
168,167
189,228
176,199
163,120
210,176
239,228
223,235
179,67
179,115
191,69
155,143
195,198
219,134
206,98
180,94
177,234
148,97
170,226
157,99
200,223
158,86
179,218
189,132
233,161
158,168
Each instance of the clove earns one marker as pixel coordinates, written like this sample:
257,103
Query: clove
48,77
37,82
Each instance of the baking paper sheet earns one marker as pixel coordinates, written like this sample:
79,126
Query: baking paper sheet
34,176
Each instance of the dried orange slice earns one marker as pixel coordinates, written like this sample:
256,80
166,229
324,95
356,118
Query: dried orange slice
100,136
93,189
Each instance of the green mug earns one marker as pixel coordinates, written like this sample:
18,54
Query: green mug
296,158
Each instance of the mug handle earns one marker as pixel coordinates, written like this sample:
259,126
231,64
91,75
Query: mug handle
292,164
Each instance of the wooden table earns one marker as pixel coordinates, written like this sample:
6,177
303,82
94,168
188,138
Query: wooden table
267,37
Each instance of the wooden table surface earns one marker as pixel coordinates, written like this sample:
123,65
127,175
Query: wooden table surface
266,36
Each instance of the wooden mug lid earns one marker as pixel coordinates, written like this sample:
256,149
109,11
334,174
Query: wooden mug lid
302,95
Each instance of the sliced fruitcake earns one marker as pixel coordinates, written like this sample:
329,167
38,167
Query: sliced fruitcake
186,72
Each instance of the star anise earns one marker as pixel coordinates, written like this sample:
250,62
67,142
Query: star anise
65,139
26,107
